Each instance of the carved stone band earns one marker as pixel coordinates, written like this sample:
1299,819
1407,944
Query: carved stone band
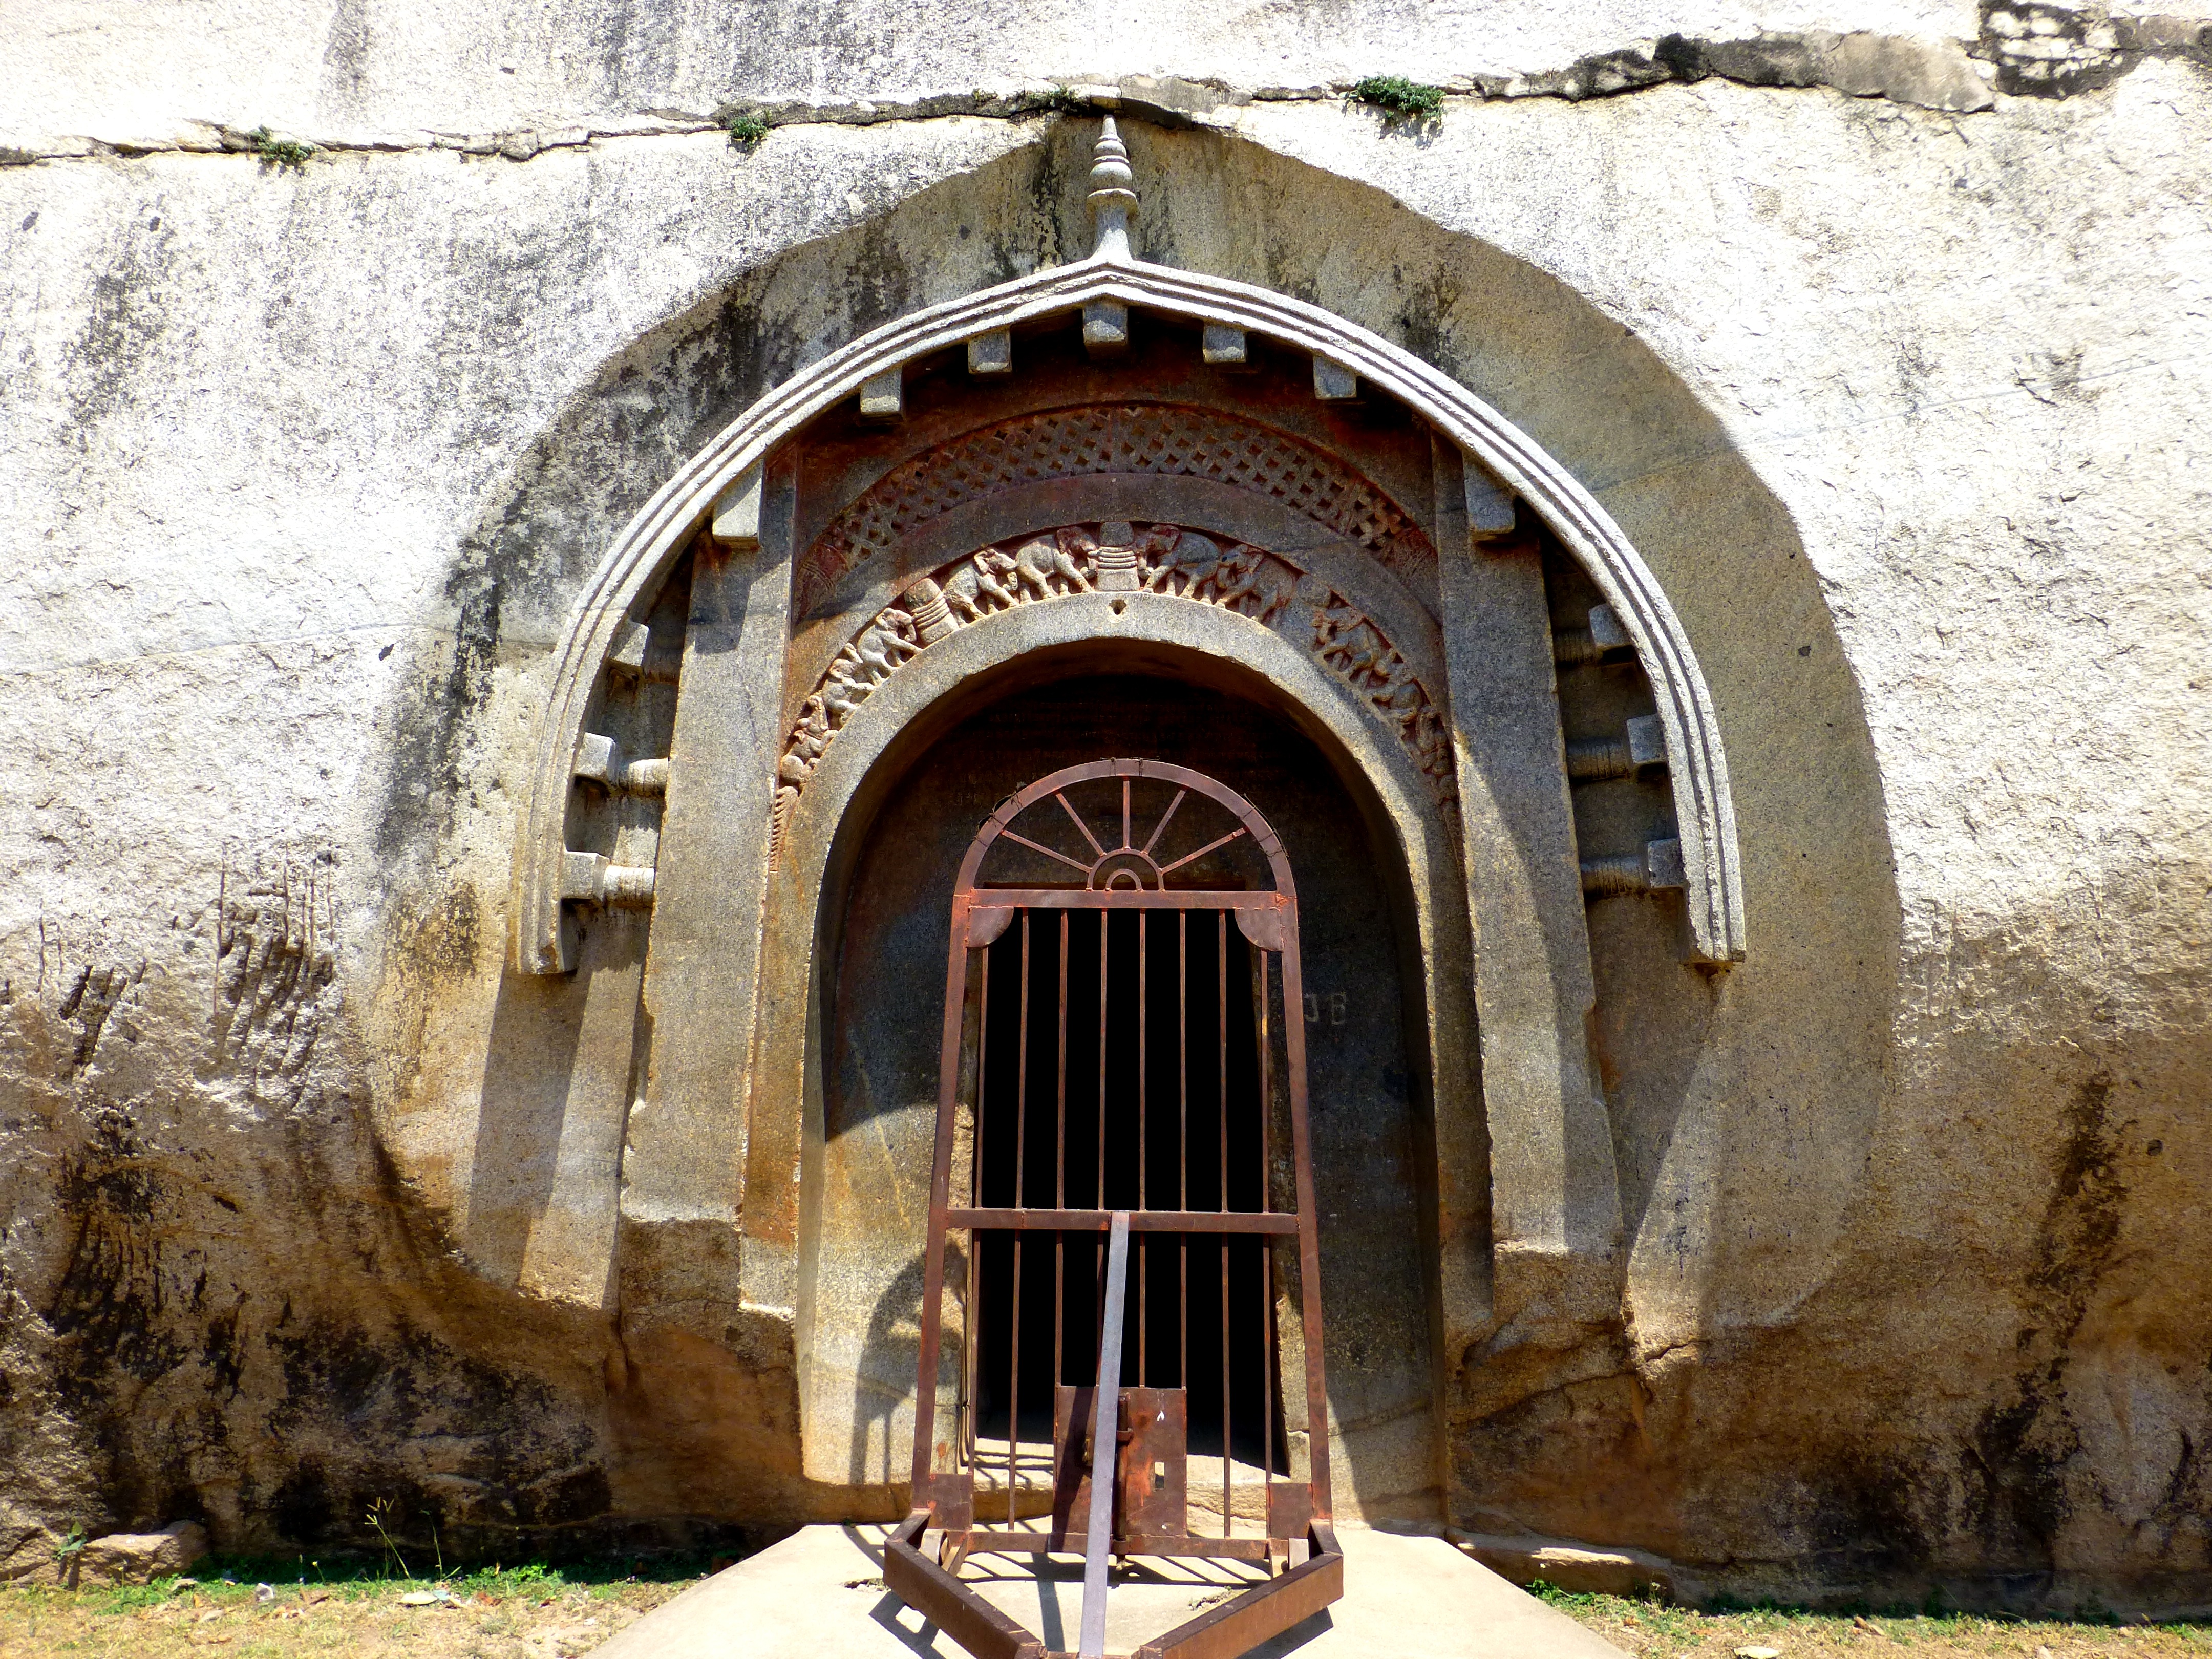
1148,561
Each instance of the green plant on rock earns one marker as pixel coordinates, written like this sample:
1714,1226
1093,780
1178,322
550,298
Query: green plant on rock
746,130
1059,100
283,152
1399,99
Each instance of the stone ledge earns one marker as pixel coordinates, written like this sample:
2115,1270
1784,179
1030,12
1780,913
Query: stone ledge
1525,1559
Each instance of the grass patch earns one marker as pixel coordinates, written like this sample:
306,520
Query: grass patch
1400,99
1059,100
747,130
1654,1629
280,152
347,1603
225,1580
314,1607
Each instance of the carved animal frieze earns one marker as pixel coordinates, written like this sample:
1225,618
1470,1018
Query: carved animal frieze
1160,559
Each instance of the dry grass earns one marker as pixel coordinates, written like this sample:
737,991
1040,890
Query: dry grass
535,1614
1640,1628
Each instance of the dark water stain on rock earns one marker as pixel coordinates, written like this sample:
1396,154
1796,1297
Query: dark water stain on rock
107,1308
440,940
1877,1518
507,1452
124,321
2082,1218
224,1351
2013,1467
301,1509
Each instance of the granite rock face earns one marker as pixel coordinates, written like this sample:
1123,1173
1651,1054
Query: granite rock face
139,1558
1883,337
120,1558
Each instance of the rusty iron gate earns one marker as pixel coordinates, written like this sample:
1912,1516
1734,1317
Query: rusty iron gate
1110,1110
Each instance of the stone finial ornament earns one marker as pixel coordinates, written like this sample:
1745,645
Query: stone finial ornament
1112,198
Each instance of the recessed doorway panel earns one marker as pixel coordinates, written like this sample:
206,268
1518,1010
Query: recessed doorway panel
1368,1097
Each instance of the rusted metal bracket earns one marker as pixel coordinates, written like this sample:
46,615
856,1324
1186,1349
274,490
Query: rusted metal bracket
1222,1632
1264,1610
935,1594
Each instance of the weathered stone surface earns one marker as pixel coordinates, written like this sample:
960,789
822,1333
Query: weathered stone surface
139,1558
121,1557
1555,1200
1569,1567
688,1136
1902,405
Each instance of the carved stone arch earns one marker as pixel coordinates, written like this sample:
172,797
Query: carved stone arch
623,1159
723,484
809,562
1195,503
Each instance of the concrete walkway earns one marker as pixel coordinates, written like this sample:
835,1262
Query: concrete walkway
819,1594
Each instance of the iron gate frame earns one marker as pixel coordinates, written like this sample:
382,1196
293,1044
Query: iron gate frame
945,1499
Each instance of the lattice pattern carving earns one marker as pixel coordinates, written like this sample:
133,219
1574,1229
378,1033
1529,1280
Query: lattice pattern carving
1163,560
1156,439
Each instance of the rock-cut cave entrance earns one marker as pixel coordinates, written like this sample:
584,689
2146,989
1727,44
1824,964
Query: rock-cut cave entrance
1157,848
1194,978
1120,1069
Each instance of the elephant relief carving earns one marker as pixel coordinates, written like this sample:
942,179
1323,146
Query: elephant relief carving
1160,559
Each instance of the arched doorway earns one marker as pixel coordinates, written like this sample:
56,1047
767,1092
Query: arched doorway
1171,1217
1366,1049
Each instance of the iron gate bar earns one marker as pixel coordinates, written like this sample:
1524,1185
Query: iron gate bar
1036,847
1072,1543
964,1616
1159,828
1262,1611
1021,1172
1228,1439
1267,920
1105,923
1182,1139
1268,1380
1140,1221
1058,1166
1220,1633
1144,1072
1069,809
1193,858
1294,1044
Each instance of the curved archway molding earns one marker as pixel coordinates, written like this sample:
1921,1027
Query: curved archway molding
730,479
1174,639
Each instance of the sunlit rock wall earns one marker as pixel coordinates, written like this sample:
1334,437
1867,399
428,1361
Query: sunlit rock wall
308,462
